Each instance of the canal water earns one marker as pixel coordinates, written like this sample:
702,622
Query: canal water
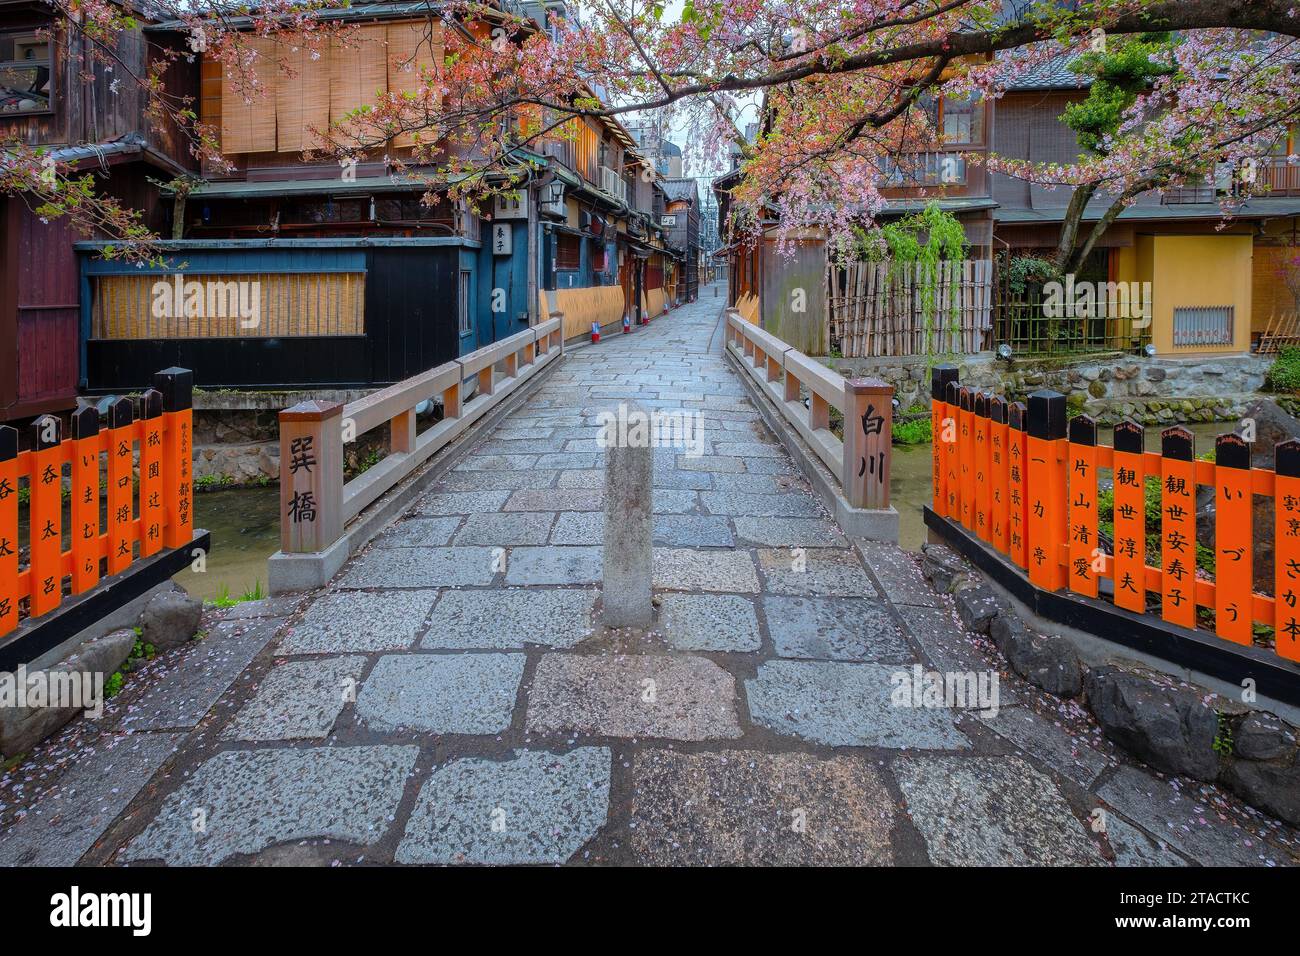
245,526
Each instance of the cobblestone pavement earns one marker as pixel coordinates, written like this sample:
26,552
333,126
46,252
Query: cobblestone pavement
450,698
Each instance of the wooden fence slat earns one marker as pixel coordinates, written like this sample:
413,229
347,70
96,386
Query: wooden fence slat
1233,540
1046,490
1017,469
45,515
998,463
1286,544
983,457
85,499
1178,526
9,593
1082,576
1129,495
153,513
121,531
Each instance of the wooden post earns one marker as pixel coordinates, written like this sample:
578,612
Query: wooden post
451,404
1081,576
485,381
45,527
1046,489
998,473
121,493
868,429
940,376
311,476
792,386
512,365
177,387
1178,526
773,368
9,529
86,544
1286,542
153,512
1130,559
1233,540
401,432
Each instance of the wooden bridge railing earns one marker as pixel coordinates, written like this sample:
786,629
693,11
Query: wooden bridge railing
119,511
861,461
315,503
1025,482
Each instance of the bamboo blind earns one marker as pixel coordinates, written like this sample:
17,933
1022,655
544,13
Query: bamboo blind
412,47
358,72
302,101
289,305
248,116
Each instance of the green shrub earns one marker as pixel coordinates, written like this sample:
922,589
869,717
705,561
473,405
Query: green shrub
915,432
1284,376
1151,502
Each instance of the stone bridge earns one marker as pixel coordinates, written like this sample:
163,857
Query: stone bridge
451,697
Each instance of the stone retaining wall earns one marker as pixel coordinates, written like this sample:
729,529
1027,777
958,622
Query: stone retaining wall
1154,391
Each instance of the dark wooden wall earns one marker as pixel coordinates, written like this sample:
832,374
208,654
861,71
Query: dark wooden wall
410,326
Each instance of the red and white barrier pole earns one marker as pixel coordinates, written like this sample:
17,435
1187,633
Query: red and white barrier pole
595,331
627,324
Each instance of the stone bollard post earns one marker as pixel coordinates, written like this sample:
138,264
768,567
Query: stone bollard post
629,517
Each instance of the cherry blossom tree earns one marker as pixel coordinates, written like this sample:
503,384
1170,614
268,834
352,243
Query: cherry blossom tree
837,85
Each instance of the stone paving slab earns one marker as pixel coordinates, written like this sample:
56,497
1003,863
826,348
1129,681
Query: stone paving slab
1185,820
675,501
684,569
419,533
814,571
946,642
498,463
255,799
474,482
461,502
592,478
184,696
692,531
738,503
500,619
441,693
677,698
1038,737
556,499
845,705
746,808
421,568
1134,848
359,621
838,629
992,811
898,574
68,820
554,565
709,622
535,807
505,529
298,700
789,532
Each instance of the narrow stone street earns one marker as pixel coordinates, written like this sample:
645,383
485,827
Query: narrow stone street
451,697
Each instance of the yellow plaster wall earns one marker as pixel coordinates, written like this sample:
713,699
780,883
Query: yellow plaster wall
1209,270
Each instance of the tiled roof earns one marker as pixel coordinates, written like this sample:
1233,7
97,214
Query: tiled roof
680,189
1054,74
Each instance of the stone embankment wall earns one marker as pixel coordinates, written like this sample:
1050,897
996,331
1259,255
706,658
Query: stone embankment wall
1154,391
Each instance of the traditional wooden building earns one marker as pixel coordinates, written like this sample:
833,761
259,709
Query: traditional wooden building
90,117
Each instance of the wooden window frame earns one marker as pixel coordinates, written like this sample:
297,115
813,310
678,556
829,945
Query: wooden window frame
18,36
